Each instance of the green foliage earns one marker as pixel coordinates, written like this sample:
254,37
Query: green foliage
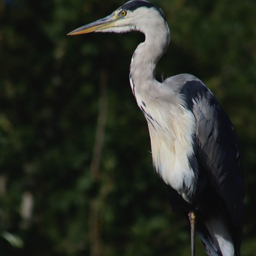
14,240
52,91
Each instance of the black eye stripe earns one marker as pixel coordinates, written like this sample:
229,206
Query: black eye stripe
133,5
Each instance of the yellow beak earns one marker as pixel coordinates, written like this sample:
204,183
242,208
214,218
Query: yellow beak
98,25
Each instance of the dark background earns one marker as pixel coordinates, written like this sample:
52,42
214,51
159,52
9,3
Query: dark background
76,175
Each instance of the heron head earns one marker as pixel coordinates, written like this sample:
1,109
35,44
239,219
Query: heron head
134,15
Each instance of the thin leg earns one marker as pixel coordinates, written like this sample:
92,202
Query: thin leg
192,220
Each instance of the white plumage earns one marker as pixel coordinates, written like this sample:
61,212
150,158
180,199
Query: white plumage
193,143
170,130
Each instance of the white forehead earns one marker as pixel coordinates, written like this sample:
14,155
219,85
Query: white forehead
144,17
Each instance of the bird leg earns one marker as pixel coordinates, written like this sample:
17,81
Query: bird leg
192,220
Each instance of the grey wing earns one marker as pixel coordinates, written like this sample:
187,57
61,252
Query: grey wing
217,147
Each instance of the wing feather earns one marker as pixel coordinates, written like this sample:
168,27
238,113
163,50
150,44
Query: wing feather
217,151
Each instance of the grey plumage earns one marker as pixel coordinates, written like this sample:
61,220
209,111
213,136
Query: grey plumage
194,145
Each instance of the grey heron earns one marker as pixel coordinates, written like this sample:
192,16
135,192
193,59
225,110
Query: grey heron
194,146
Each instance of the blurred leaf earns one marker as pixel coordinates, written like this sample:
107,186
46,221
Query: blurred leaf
14,240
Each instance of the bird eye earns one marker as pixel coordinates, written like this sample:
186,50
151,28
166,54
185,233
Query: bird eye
123,13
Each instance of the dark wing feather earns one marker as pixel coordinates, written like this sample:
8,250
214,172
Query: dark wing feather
217,152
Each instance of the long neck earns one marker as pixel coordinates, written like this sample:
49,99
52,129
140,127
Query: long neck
146,56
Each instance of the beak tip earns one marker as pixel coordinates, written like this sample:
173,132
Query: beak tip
97,26
70,34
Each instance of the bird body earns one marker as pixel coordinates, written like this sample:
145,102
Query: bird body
171,138
170,130
194,145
